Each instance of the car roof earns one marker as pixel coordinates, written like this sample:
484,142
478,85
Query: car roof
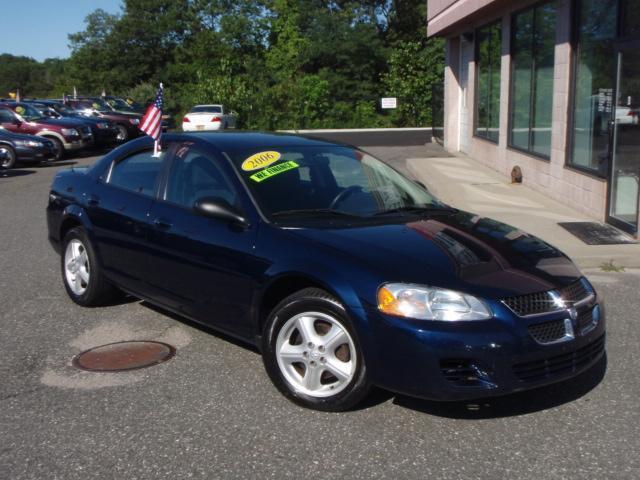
234,141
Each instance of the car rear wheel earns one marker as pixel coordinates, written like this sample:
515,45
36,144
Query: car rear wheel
311,352
7,157
123,133
81,272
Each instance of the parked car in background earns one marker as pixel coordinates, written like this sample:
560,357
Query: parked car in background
67,134
127,123
104,130
344,273
16,148
209,117
119,104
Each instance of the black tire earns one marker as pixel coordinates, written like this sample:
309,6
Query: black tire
313,300
123,134
58,147
7,157
98,291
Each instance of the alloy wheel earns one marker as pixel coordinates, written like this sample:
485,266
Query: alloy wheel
77,269
315,354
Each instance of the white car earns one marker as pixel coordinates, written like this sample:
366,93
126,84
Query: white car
209,117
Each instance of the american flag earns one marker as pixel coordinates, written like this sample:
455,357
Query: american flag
151,123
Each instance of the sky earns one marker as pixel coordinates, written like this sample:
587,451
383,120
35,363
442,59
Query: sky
39,28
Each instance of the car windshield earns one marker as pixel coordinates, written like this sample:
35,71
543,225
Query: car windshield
120,104
206,109
28,112
315,181
100,105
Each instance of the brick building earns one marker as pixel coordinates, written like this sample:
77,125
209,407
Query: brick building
550,86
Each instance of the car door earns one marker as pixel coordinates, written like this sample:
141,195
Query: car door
202,266
119,207
9,121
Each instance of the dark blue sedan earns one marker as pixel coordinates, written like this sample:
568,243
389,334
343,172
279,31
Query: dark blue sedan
343,272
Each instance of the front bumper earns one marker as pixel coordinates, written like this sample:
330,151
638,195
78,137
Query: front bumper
470,360
34,154
78,143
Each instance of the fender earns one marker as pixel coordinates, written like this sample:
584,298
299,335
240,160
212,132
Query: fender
51,133
77,213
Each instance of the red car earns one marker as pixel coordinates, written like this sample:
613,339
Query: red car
127,123
67,134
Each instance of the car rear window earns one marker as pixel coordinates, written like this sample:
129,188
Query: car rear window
206,109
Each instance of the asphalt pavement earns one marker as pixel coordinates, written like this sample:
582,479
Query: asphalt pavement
211,412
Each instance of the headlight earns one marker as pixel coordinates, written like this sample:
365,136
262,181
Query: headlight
28,143
102,125
430,303
134,121
70,132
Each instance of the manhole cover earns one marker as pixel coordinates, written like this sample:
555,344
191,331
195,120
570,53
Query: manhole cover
123,356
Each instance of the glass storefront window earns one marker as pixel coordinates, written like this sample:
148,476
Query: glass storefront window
488,58
595,78
533,55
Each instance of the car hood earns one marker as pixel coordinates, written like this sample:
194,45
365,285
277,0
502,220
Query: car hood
458,250
121,115
63,122
7,135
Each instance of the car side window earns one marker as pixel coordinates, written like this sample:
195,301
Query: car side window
5,116
137,173
195,175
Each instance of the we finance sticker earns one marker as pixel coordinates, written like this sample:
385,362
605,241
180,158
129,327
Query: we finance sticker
273,171
260,160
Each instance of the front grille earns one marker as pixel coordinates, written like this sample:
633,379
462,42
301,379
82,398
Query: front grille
559,364
545,302
574,292
548,332
588,320
532,304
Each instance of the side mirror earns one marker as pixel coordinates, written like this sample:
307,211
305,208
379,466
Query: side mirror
216,207
17,122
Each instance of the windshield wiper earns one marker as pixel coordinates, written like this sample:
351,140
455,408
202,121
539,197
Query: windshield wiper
417,209
313,211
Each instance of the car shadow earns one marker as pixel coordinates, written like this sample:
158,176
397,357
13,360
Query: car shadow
15,173
520,403
63,163
202,327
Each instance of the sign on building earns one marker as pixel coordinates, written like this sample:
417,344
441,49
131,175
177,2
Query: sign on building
389,102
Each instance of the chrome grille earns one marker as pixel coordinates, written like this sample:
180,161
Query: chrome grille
574,292
548,332
532,304
545,302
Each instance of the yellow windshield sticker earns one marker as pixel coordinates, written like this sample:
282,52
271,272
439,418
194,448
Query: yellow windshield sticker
260,160
272,171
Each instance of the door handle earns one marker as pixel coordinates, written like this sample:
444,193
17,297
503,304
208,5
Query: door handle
93,200
162,224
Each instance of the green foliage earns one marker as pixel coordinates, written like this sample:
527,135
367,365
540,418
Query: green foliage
279,63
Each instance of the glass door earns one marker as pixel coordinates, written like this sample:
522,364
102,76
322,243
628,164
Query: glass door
624,184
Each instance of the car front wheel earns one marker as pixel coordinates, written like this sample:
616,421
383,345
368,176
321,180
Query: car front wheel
7,157
311,352
81,272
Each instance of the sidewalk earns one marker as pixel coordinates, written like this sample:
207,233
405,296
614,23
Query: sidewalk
469,185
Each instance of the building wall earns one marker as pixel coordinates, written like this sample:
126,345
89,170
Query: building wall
551,177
